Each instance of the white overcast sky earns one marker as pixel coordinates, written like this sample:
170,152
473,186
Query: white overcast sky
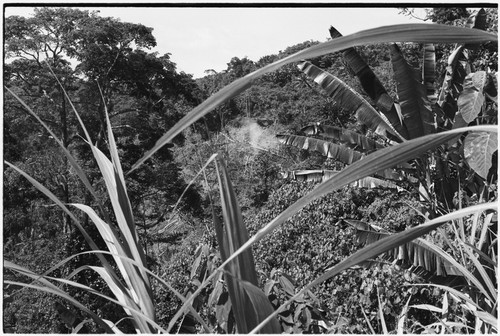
202,38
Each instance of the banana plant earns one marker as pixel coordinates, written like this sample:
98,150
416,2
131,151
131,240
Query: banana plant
464,98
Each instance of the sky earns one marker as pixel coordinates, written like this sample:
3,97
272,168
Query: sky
203,38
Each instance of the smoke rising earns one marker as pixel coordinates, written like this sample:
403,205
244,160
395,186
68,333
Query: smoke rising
252,133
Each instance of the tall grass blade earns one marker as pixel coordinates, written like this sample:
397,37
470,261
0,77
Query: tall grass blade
482,271
463,270
421,33
484,231
402,318
241,275
121,206
381,314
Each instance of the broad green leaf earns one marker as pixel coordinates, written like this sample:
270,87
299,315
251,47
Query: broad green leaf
344,136
348,99
329,149
429,71
478,150
372,85
415,107
471,99
420,33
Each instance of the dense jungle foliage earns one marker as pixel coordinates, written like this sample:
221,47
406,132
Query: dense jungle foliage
276,141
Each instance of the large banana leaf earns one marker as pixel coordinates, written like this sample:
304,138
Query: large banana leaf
348,99
420,33
337,152
414,255
429,71
372,85
417,113
250,305
456,71
344,136
321,175
458,68
477,20
329,149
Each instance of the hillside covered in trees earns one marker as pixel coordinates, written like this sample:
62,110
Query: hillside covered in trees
364,176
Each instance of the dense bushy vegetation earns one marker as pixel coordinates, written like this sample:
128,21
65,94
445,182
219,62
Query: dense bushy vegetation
180,206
